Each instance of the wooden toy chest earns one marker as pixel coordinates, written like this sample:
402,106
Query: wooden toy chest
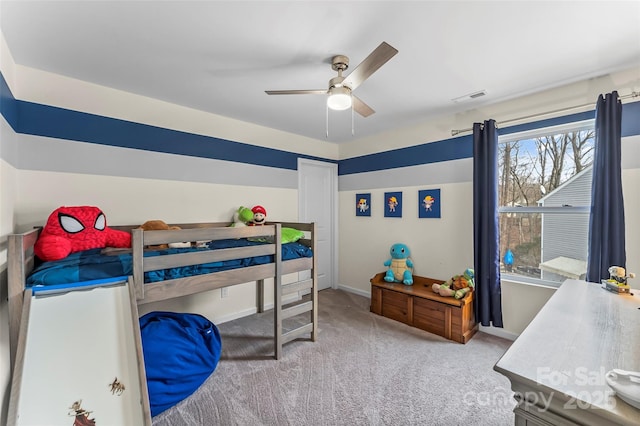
418,306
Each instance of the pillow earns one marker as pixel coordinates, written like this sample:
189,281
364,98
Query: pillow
288,235
77,228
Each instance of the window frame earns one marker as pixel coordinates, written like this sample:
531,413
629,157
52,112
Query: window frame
573,126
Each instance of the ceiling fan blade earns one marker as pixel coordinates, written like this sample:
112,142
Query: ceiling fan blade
296,92
371,64
360,107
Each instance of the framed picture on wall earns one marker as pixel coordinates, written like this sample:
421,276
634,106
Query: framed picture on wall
363,204
429,203
393,204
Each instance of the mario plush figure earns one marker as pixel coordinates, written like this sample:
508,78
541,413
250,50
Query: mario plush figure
259,215
72,229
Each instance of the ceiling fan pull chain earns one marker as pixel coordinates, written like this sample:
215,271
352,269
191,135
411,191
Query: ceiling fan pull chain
327,122
353,131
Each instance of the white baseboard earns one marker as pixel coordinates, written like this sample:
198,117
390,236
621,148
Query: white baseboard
353,290
244,313
499,332
234,315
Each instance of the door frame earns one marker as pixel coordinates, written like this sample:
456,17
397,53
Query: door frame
302,198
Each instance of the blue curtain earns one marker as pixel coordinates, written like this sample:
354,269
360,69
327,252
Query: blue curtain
606,223
487,299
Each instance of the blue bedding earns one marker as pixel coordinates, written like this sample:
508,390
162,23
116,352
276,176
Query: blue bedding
91,265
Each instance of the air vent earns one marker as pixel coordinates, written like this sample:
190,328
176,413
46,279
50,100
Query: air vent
470,96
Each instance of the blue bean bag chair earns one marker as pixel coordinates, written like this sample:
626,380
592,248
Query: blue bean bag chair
181,351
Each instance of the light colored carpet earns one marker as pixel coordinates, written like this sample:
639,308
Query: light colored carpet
363,370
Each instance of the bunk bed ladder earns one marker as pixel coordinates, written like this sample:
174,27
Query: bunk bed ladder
299,307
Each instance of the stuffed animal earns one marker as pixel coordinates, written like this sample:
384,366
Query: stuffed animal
159,225
259,216
400,265
242,217
77,228
457,286
619,275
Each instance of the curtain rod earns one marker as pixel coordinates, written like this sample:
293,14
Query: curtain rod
630,95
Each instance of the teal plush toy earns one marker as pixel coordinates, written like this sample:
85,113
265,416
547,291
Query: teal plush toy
400,266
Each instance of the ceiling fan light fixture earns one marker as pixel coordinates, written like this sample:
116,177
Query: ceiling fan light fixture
339,98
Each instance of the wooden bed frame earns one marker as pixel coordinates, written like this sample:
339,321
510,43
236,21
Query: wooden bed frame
21,263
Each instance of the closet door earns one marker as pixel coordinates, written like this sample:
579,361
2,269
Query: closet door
317,198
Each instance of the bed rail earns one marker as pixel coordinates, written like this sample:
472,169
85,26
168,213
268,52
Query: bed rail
20,261
169,289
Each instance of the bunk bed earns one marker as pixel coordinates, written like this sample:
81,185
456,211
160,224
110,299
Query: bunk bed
249,254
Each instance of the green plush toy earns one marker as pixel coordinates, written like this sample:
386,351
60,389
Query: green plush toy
457,286
242,216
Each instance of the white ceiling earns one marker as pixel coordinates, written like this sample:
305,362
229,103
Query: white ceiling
220,56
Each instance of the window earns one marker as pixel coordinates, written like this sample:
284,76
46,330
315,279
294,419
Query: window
544,188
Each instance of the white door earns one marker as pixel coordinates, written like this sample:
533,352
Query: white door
317,198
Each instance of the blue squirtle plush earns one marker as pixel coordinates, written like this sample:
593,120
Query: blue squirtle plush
400,266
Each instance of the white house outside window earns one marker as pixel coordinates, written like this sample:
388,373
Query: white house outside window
544,188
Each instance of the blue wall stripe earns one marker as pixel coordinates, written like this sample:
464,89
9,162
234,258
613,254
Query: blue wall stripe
631,119
44,120
446,150
462,147
8,106
450,149
549,122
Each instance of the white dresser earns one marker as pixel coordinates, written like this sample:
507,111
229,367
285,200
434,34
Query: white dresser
557,365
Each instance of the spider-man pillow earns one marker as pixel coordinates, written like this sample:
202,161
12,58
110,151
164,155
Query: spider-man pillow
72,229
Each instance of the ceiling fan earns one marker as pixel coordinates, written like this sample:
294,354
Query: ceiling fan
341,88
